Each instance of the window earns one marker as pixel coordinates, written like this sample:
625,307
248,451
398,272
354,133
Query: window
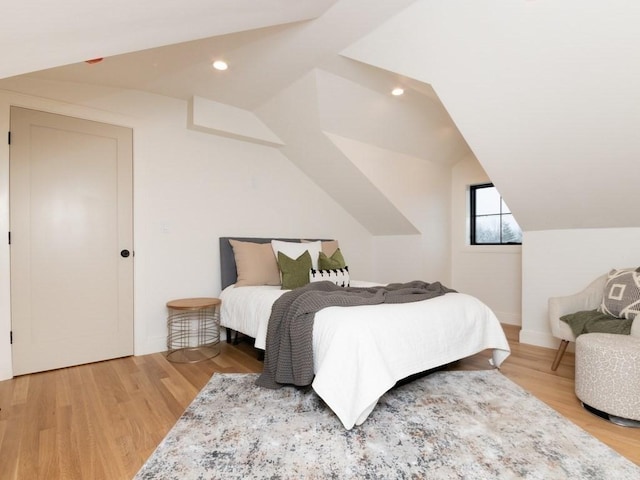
492,222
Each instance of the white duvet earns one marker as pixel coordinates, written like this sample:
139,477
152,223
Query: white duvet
361,352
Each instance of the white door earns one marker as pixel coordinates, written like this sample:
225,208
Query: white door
71,192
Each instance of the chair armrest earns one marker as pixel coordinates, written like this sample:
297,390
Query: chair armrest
635,327
587,299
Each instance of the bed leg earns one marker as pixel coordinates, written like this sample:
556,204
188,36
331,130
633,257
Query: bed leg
228,335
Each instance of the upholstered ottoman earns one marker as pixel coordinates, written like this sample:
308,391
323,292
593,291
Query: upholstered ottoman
608,374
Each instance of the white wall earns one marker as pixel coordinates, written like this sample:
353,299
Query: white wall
189,189
491,273
563,262
419,189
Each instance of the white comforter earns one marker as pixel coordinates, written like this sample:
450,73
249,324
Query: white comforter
361,352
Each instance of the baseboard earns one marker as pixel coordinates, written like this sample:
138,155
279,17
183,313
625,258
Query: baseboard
541,339
159,344
509,318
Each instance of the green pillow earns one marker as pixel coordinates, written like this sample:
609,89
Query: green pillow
295,273
331,263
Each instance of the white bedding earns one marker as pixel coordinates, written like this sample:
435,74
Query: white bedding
247,309
361,352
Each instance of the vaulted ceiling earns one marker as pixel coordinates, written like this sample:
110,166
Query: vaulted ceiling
544,93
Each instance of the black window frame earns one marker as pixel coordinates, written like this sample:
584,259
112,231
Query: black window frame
472,214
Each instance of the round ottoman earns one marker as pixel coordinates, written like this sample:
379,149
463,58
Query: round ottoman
608,375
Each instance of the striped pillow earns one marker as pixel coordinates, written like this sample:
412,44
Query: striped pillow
339,276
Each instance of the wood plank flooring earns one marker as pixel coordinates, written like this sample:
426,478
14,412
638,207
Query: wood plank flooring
102,421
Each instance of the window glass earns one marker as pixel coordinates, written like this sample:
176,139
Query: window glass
487,201
511,232
492,223
488,229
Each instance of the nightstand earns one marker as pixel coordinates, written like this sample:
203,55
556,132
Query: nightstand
193,329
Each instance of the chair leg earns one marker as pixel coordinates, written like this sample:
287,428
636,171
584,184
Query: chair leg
559,354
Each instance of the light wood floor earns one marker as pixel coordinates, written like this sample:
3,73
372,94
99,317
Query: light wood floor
102,421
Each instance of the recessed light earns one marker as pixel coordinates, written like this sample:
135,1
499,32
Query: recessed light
397,91
220,65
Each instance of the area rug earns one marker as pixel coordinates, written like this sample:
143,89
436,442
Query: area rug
447,425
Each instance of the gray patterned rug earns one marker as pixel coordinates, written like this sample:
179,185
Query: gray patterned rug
471,425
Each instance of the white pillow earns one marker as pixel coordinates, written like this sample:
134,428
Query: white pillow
294,250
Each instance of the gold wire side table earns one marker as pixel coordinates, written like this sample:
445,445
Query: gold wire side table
193,326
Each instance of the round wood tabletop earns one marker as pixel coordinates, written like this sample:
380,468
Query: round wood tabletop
193,303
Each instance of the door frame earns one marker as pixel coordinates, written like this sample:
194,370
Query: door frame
11,99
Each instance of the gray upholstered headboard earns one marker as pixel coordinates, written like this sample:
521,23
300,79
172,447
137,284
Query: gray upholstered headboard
228,272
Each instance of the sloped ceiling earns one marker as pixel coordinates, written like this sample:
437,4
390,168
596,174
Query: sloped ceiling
39,35
293,115
544,93
285,67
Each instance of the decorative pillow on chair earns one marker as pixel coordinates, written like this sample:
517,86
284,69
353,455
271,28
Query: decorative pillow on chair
334,261
621,297
339,276
295,273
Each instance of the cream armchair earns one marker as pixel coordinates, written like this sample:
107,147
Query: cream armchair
588,299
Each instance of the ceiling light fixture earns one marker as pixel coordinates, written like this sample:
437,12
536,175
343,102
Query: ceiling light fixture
220,65
397,91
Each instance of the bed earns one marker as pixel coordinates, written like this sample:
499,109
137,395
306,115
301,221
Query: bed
361,352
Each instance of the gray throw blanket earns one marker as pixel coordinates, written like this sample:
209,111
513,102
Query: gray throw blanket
289,343
590,321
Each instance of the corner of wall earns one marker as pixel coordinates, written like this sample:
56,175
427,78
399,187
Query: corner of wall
6,364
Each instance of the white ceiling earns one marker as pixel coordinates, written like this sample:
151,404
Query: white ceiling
282,46
35,35
545,93
271,51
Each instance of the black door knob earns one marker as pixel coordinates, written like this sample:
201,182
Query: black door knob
124,253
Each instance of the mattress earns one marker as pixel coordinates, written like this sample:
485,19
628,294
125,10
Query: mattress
361,352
